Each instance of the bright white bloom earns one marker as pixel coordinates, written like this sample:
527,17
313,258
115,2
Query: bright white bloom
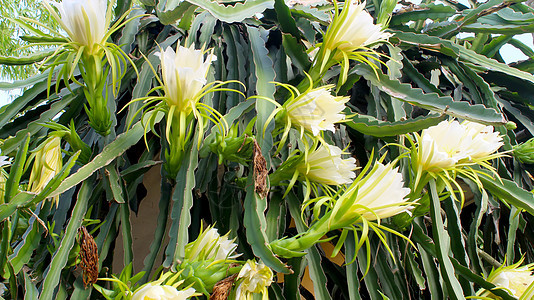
326,166
353,28
4,160
316,110
184,75
514,279
481,140
211,246
84,20
440,145
380,194
254,278
3,288
154,291
444,145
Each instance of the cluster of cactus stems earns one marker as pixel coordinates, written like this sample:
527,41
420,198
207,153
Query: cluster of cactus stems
277,148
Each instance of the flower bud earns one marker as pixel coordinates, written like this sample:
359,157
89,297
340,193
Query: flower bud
235,149
48,162
3,180
525,152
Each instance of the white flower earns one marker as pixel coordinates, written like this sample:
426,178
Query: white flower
154,291
440,145
84,20
211,246
184,75
353,28
3,288
448,143
316,110
4,160
326,166
380,194
254,278
481,140
514,279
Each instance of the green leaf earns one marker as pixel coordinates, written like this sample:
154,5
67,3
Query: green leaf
265,75
171,11
254,222
29,242
287,23
17,84
135,171
432,101
126,227
114,149
30,290
20,200
26,59
296,51
454,228
182,202
442,240
448,48
130,30
15,174
508,191
59,259
423,12
35,126
159,234
114,183
353,283
509,29
234,13
18,104
313,257
371,126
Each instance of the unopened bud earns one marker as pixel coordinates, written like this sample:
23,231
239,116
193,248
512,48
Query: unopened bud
525,152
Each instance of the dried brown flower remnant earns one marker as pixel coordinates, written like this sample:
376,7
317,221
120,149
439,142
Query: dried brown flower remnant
260,171
221,290
88,257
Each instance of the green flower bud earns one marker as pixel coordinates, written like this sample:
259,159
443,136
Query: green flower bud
3,179
203,275
525,152
235,149
48,162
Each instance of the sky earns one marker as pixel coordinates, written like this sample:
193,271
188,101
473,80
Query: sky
508,52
